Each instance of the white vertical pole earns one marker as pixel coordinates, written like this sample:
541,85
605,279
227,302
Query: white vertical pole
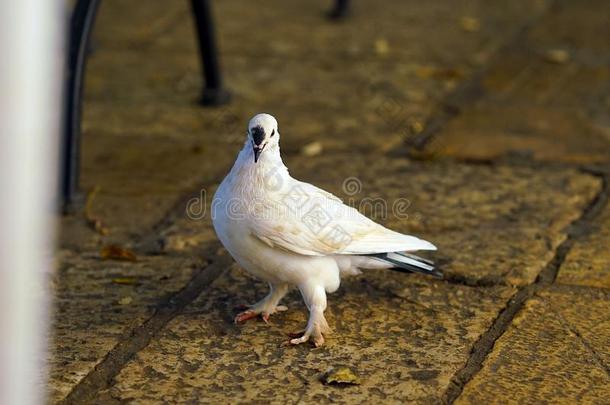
31,58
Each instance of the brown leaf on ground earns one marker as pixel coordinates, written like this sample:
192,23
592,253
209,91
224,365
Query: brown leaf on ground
382,47
559,56
470,24
422,155
340,376
125,301
312,149
125,281
438,73
416,127
115,252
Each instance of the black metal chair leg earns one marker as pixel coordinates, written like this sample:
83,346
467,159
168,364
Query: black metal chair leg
340,10
213,92
81,26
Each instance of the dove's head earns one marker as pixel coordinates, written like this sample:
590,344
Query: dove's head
262,133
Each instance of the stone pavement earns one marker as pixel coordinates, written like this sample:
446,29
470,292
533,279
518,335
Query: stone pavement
482,127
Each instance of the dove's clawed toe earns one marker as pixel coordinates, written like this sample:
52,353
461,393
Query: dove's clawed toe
316,328
245,315
316,338
265,307
253,313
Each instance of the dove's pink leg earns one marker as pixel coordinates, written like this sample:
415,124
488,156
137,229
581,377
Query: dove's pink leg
266,306
315,299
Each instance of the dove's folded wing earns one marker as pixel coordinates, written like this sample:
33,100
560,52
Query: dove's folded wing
311,221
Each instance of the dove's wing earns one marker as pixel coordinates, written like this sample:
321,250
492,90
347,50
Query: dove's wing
310,221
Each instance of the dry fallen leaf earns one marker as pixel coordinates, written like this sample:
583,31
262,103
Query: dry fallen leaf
340,376
312,149
450,84
422,155
425,72
470,24
125,301
416,95
416,127
115,252
432,72
382,47
125,280
559,56
181,242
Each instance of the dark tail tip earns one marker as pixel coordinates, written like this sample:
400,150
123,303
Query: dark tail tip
409,263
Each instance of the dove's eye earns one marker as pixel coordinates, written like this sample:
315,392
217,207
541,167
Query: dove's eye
272,133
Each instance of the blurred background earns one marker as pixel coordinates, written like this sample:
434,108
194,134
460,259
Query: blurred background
488,121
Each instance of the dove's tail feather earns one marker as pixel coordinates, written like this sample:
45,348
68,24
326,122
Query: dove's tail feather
408,263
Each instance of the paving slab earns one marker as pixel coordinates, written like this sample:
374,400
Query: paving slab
141,94
369,22
585,312
99,302
588,262
176,74
555,351
403,335
494,230
545,97
143,82
299,28
359,89
205,357
136,190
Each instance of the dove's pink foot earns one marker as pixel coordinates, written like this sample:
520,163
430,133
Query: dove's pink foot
266,306
255,311
245,315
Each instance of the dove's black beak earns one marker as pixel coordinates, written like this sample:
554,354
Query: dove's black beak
258,136
257,151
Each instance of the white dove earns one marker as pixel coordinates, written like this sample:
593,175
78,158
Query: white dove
290,233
